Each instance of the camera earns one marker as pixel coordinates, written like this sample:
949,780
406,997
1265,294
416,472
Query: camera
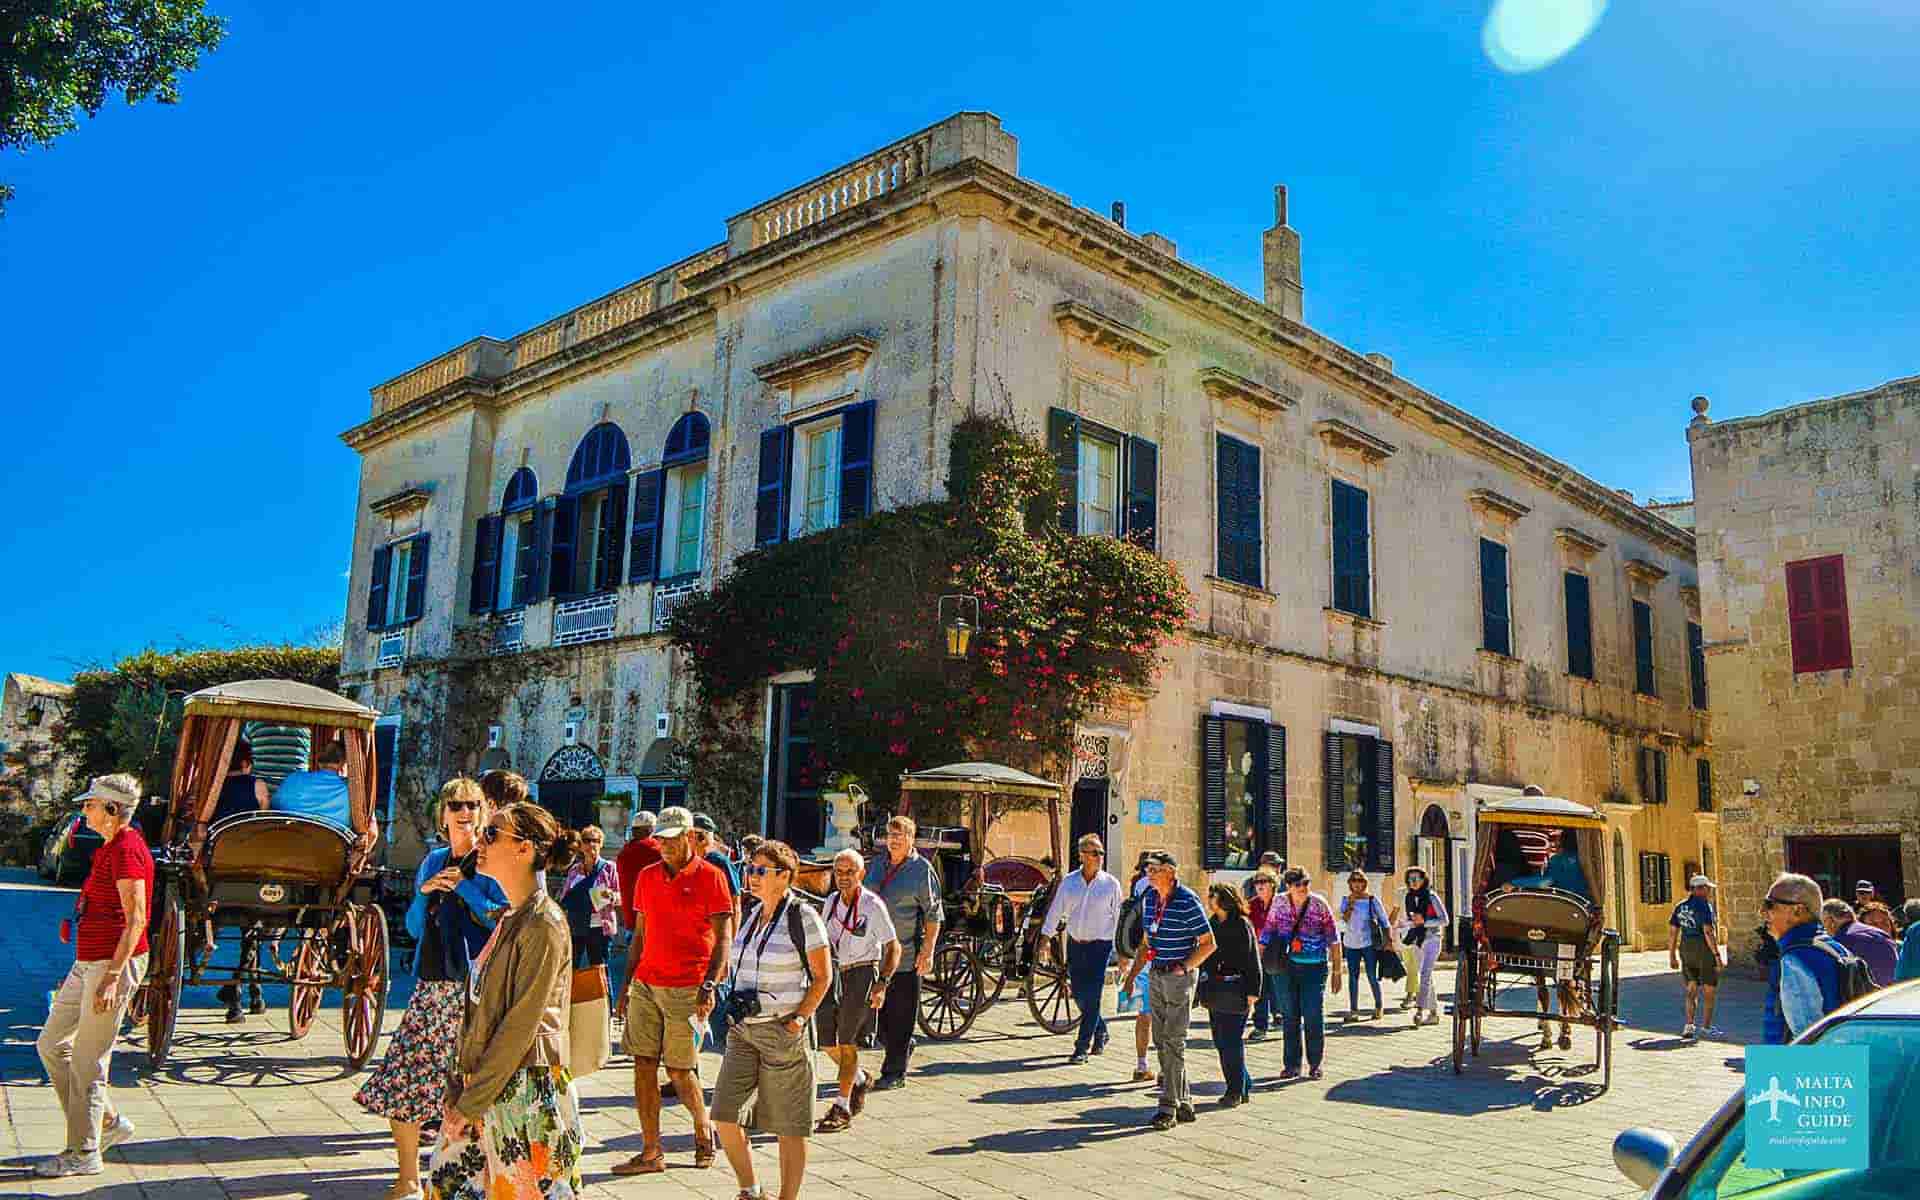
742,1004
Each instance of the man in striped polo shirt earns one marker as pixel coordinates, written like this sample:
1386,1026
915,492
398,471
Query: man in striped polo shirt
1178,940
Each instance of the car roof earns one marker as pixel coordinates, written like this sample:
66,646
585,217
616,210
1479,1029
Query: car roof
1899,1000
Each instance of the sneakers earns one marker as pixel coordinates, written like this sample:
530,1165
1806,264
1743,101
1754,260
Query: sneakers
1162,1120
1689,1032
1142,1075
888,1083
69,1162
1186,1115
118,1133
1712,1031
858,1101
1077,1059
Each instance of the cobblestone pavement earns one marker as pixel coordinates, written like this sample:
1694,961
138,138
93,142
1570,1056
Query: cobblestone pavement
243,1112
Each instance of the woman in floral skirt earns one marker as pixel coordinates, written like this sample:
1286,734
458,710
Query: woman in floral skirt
512,1124
450,918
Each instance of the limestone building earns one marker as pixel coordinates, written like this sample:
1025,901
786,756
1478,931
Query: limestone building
32,713
1396,602
1807,519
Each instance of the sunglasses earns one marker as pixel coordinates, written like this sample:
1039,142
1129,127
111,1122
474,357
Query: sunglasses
462,806
1772,902
1095,853
1303,885
494,833
756,871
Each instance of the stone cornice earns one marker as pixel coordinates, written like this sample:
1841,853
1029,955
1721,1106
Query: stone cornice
1097,329
1493,504
1585,545
1222,384
402,502
1339,435
1641,571
846,354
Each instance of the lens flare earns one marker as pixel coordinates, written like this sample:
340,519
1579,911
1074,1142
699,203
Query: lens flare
1526,35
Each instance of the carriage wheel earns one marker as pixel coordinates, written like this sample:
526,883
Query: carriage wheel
166,958
1049,989
1484,984
1607,1009
995,956
951,993
309,983
1462,1002
364,1007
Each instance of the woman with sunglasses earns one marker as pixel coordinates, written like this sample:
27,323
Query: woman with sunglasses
781,972
449,920
590,897
1296,951
1422,923
511,1130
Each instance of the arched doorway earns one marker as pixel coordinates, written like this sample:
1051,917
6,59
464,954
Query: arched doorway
570,784
1430,854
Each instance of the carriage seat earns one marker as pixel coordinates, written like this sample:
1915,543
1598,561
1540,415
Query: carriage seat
1016,875
1535,924
277,847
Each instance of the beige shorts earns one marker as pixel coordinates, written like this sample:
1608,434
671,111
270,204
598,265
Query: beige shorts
771,1071
665,1024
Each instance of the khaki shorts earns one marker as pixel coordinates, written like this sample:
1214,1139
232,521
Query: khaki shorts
771,1071
664,1023
1699,962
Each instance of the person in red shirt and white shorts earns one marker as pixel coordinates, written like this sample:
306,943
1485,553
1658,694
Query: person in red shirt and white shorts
110,960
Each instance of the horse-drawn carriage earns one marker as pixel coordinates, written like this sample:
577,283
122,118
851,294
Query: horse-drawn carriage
268,882
1539,890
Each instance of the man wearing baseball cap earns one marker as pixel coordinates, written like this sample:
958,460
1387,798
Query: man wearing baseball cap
1693,948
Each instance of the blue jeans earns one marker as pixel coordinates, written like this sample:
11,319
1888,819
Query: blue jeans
1230,1039
1087,976
1354,959
1264,1008
1299,997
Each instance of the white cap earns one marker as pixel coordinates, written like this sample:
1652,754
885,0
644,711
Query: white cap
1699,881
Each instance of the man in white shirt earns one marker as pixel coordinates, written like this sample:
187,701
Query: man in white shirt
1087,906
866,952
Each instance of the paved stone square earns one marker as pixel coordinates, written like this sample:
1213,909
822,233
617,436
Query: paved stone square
243,1112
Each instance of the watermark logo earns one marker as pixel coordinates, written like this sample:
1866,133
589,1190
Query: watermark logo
1807,1107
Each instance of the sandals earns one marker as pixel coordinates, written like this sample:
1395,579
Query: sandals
836,1121
643,1164
703,1151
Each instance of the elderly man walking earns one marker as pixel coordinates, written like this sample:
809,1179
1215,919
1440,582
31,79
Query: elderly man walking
866,954
1806,979
110,960
1087,906
1178,939
904,880
682,930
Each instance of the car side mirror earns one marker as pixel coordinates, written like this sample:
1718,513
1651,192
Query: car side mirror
1644,1154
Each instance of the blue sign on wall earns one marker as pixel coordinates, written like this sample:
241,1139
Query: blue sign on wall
1153,812
1807,1107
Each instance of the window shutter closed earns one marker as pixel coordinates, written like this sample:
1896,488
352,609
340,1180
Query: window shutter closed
1237,469
417,577
613,538
539,554
1351,567
1277,791
1643,681
1697,664
1380,856
1646,878
1336,814
377,587
643,554
1666,878
1213,787
1496,624
1143,493
1660,776
1703,783
486,565
565,531
770,504
1063,439
856,461
1830,591
1643,774
1579,627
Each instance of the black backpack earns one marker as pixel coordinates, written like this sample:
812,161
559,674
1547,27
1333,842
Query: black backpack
1856,977
797,934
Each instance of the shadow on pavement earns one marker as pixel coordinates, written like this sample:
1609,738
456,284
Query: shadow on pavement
997,1067
1505,1076
183,1151
1089,1127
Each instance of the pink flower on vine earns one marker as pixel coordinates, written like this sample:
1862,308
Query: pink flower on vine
856,693
897,749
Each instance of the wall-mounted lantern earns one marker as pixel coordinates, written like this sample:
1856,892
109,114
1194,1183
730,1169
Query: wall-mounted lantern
959,618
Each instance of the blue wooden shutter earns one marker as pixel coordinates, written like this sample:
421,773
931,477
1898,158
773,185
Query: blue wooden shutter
613,538
1351,570
377,587
1213,788
1703,784
1247,519
1643,681
856,461
1143,493
770,504
1237,468
1697,664
1660,775
537,549
417,578
1496,622
1336,814
649,499
486,564
1276,834
1380,808
563,534
1579,627
1063,439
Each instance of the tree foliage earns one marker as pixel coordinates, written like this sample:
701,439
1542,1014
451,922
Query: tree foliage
1066,624
60,58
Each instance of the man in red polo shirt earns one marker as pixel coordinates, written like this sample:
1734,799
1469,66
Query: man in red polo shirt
641,851
682,930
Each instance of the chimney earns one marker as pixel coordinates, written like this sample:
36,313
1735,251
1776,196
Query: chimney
1280,255
1120,213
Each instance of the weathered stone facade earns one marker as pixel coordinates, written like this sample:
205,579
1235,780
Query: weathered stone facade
33,712
1808,755
932,280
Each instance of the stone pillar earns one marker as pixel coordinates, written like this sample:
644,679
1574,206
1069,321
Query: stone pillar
1280,255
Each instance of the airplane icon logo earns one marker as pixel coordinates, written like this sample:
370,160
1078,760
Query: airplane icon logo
1773,1097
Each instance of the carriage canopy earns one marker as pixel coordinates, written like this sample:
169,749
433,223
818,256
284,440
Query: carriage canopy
1535,820
981,782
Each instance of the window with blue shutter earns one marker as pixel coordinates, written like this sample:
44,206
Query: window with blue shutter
563,532
486,565
1643,681
1703,784
770,503
1496,624
1237,472
1359,816
687,440
856,461
1697,664
538,552
377,587
1063,440
1352,552
1143,494
1579,626
1653,775
1380,851
1273,823
417,578
1334,825
1213,792
611,549
1243,791
643,553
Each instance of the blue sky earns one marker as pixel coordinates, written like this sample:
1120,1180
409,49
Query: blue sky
1704,197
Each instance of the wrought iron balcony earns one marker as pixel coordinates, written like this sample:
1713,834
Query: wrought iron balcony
666,598
587,620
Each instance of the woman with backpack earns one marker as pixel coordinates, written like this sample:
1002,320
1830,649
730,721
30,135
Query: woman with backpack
1296,953
1229,981
1364,936
1422,922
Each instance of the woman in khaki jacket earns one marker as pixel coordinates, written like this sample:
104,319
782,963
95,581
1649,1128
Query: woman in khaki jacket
512,1125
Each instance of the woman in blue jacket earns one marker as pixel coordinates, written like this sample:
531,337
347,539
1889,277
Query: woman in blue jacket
450,919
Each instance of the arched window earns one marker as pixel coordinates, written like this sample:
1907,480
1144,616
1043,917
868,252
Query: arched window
590,517
522,490
518,540
600,459
670,506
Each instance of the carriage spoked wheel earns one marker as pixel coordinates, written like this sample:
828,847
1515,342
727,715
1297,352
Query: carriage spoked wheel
166,959
951,992
310,976
1606,1016
364,1005
995,955
1049,989
1462,1002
